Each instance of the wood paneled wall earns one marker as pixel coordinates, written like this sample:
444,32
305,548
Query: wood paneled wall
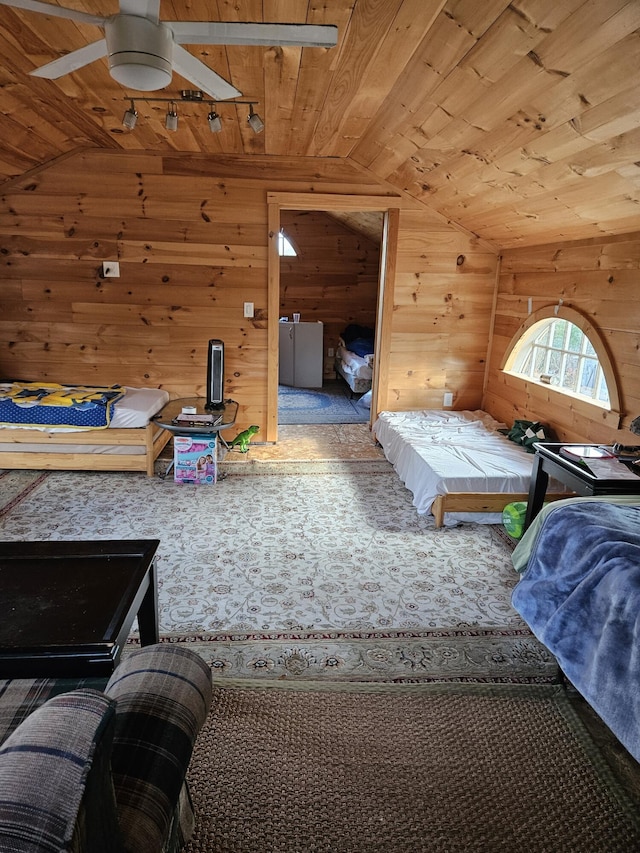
190,234
442,307
333,278
598,278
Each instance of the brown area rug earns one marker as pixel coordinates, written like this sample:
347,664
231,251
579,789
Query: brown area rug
389,769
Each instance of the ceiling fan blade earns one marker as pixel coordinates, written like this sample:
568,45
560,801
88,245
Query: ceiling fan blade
142,8
72,61
218,32
204,78
55,11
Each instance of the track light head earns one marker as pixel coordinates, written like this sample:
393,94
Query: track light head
255,122
130,117
215,122
171,119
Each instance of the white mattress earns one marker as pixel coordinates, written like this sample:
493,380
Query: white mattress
435,452
131,412
353,364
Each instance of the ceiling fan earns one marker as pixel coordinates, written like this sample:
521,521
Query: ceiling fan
144,51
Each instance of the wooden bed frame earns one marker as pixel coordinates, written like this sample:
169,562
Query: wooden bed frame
488,502
151,439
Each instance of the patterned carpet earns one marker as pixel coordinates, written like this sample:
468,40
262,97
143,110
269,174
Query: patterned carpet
305,570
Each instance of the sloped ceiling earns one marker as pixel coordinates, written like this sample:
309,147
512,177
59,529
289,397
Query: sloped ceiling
518,120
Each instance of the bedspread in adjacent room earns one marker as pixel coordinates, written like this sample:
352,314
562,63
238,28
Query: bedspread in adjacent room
439,453
580,595
356,370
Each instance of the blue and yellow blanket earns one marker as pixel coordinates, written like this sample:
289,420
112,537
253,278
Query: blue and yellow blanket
49,405
580,595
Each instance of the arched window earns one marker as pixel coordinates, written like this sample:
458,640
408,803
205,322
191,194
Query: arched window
285,248
559,347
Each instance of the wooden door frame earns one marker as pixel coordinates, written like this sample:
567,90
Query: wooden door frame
388,257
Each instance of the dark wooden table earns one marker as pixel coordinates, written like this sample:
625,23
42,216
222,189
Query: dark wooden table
548,462
67,608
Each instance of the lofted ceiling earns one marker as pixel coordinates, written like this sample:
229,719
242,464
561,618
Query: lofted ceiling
519,121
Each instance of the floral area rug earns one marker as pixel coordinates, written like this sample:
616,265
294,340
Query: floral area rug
499,655
16,485
305,570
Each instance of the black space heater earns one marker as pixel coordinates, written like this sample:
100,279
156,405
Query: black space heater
215,376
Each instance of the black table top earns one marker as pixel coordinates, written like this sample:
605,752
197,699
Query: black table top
552,451
57,596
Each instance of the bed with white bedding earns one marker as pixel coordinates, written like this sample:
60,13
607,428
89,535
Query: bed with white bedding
126,440
356,370
456,464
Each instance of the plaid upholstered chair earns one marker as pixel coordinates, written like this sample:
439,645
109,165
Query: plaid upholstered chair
102,771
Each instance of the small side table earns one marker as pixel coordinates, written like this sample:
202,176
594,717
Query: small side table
205,423
548,462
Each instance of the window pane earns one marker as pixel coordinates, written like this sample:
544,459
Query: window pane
559,328
540,356
554,362
570,375
603,393
588,378
588,348
575,338
284,246
543,337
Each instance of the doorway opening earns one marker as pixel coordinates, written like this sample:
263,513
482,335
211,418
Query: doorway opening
328,306
332,289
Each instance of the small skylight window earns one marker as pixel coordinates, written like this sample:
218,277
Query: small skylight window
285,249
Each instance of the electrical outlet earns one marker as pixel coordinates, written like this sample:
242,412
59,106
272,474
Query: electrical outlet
448,399
111,269
248,309
331,352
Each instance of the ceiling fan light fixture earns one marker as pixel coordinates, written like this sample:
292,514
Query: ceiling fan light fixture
130,117
215,122
255,122
140,52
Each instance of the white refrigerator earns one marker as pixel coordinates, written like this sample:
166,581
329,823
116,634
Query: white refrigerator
301,355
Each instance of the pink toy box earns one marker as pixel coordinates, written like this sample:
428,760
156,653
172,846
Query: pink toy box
194,459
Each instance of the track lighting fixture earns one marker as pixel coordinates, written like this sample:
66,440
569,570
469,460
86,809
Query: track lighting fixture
130,117
215,122
255,122
171,119
190,96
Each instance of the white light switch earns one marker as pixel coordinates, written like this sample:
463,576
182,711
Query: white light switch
448,399
248,309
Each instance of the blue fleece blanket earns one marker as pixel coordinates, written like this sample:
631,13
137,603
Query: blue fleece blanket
580,595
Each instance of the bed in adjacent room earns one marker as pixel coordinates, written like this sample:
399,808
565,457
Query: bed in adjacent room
45,426
354,358
458,465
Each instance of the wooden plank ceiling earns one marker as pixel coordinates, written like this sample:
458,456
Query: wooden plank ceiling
520,120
